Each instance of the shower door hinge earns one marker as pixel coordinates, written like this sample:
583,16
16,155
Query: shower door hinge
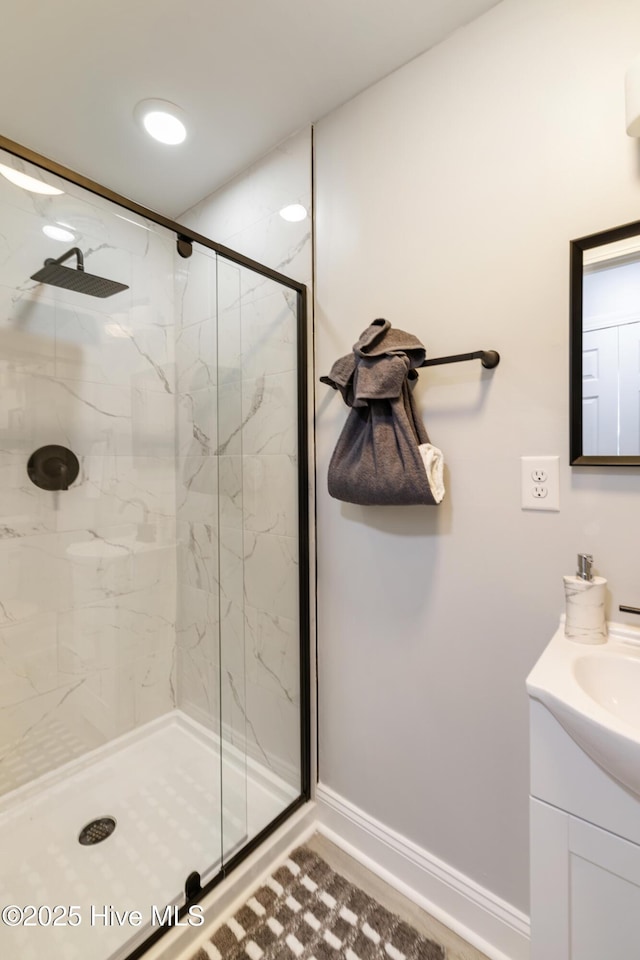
185,247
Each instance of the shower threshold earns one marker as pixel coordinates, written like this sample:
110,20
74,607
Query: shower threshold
162,785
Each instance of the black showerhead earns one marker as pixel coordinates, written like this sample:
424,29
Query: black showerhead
58,276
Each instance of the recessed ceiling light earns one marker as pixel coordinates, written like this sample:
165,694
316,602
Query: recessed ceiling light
56,232
28,183
294,212
162,120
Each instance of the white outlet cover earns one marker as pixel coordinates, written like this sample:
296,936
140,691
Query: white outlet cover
533,493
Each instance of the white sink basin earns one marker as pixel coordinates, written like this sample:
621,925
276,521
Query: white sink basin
594,693
613,681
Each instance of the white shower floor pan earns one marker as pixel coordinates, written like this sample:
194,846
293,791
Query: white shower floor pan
162,786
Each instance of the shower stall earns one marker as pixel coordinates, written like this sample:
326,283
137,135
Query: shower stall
154,666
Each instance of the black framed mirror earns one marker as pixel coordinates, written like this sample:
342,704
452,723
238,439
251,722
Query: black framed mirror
605,348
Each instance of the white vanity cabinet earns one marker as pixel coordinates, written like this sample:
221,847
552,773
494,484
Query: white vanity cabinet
585,852
585,889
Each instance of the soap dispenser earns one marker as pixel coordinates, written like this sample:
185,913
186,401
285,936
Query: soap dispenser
585,597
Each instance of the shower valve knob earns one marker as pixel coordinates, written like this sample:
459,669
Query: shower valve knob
53,467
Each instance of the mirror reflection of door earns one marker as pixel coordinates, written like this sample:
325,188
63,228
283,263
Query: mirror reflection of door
611,350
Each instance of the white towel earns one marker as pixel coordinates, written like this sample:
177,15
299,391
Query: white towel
434,466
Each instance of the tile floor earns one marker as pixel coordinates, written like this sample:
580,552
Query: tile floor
455,947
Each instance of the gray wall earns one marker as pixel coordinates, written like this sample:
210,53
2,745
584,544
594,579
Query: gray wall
446,199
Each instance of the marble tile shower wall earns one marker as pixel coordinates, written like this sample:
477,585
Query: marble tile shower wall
87,576
258,465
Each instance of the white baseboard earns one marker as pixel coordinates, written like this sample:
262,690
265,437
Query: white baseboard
488,923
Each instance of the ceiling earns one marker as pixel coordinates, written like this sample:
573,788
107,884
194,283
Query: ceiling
247,73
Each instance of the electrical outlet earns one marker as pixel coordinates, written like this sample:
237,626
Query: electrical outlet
540,482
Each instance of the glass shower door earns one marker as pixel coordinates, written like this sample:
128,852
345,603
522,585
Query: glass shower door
259,568
198,533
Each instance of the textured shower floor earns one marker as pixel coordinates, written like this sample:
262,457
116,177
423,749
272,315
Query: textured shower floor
162,785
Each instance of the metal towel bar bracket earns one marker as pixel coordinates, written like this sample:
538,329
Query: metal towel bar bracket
489,358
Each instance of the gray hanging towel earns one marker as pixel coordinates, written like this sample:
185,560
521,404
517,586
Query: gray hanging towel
383,455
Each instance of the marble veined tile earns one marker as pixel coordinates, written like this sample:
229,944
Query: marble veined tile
153,422
87,417
195,286
118,349
228,321
196,356
113,563
273,654
197,688
197,423
230,489
29,577
270,494
118,629
269,334
197,489
153,278
229,345
230,419
284,246
116,490
273,725
233,708
28,659
198,654
271,574
90,418
232,636
59,571
232,571
197,623
27,332
269,414
198,555
154,686
25,510
124,648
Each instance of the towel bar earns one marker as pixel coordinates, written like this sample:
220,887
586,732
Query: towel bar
490,358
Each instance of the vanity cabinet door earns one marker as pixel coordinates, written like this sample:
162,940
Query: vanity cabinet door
585,889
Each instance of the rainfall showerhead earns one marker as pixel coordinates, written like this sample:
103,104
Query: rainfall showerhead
58,276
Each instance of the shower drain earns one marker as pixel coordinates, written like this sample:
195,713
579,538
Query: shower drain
96,831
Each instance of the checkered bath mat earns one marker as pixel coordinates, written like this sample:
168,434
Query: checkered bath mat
306,911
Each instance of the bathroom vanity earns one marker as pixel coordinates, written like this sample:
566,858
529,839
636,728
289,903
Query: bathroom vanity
585,799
